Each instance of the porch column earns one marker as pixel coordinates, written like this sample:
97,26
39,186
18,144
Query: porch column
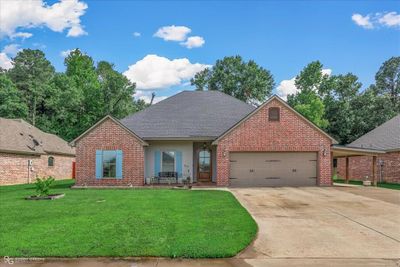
347,170
374,180
332,168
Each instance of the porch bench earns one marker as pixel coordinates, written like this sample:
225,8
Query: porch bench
167,176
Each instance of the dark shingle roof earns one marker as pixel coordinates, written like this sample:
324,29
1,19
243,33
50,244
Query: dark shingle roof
16,135
189,114
385,137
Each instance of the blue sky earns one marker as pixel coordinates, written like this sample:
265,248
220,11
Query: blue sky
346,36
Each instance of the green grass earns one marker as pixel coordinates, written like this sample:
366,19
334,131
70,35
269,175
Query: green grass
384,185
117,222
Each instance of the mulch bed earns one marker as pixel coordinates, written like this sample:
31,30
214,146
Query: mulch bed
49,197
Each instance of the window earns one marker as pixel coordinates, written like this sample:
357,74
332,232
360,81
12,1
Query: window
109,163
168,161
273,114
204,161
50,161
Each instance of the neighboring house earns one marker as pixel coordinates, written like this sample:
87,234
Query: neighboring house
210,137
384,138
26,153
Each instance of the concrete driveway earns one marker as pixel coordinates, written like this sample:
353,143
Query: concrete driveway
318,222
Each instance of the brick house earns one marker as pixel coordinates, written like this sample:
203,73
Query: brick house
206,137
386,165
27,152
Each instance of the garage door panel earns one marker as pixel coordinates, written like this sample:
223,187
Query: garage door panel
273,169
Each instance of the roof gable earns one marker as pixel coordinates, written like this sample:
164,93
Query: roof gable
385,136
108,117
188,115
275,97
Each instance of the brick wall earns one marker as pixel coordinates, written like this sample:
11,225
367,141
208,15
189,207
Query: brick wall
109,136
14,168
360,167
290,134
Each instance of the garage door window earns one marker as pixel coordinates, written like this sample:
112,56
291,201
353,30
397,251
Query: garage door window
273,114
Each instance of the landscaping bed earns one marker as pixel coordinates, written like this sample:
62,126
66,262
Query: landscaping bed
130,222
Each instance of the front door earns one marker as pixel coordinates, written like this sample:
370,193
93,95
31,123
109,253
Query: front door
204,166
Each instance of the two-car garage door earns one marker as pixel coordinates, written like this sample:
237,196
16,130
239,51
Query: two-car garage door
273,169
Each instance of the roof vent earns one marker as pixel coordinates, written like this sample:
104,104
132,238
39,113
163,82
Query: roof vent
21,134
35,142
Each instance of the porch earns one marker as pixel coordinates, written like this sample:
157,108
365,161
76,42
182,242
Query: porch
339,151
174,163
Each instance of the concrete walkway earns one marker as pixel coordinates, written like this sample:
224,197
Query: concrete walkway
311,226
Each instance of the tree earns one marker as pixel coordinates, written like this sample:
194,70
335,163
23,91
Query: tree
244,80
11,104
81,70
32,74
387,81
370,110
310,105
307,101
339,91
116,90
311,77
66,107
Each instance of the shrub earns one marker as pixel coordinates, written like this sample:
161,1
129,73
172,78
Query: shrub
43,186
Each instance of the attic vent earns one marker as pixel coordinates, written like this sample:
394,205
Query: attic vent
31,136
21,134
35,142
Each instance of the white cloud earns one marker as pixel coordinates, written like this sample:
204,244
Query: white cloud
76,31
288,87
65,53
5,61
137,34
22,35
391,19
11,49
173,33
326,72
8,51
16,14
155,72
193,41
363,21
371,21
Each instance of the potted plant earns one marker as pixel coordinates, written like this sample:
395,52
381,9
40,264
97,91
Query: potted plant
366,182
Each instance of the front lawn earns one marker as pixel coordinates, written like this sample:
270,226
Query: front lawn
383,184
117,222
